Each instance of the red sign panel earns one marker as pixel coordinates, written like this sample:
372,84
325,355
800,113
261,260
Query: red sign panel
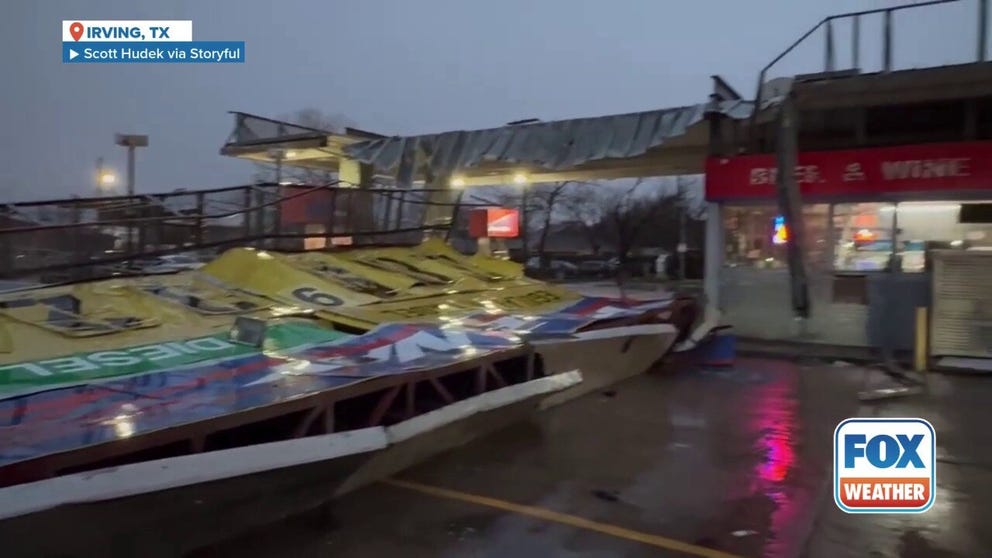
494,223
308,205
939,167
503,223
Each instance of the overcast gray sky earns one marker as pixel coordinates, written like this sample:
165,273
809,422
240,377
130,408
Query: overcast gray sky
395,67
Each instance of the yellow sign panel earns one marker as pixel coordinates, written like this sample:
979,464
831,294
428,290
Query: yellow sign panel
435,268
366,287
500,270
272,276
354,276
448,307
81,311
103,315
191,292
360,288
402,261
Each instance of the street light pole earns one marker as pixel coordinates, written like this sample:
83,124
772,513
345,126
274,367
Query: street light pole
99,176
130,170
131,141
683,207
682,240
522,180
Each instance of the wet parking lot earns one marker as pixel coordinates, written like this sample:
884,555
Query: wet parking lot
678,462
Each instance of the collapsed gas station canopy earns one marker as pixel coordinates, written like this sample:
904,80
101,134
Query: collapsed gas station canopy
266,140
650,143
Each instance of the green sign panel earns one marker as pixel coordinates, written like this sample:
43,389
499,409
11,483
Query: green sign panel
81,368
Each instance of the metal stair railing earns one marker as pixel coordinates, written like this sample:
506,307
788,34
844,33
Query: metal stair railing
828,24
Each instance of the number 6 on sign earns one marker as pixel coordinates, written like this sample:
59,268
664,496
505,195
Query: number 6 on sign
311,295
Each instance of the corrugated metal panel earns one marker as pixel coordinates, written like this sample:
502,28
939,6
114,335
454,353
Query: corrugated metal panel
962,305
550,145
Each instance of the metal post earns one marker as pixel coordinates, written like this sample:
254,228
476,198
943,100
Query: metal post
130,170
258,198
790,205
894,235
682,245
713,257
856,43
983,28
198,233
523,223
920,345
828,63
387,216
887,42
99,176
130,192
400,207
454,215
247,224
131,141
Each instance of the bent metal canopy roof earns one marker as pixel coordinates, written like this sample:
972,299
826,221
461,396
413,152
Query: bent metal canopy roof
542,146
612,146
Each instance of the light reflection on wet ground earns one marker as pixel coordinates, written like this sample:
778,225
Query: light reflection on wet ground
737,460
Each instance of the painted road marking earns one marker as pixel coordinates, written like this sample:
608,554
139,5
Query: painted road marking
563,518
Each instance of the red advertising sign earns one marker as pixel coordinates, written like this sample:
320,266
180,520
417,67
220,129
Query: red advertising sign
305,204
939,167
494,223
503,223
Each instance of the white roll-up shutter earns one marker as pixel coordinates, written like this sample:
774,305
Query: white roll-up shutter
961,323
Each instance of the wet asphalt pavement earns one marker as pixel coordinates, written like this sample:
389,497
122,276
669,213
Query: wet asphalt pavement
735,460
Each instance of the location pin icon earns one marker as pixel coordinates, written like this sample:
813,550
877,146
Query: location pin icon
76,30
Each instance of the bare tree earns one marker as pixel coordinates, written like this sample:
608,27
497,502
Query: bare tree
627,213
583,206
634,218
545,198
310,118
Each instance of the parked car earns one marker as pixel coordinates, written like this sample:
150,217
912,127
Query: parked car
594,267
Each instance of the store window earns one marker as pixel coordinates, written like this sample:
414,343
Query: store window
927,226
757,236
862,233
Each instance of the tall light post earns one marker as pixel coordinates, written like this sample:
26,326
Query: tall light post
683,206
131,142
521,180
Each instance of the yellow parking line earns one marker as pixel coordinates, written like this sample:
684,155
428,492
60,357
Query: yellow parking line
563,518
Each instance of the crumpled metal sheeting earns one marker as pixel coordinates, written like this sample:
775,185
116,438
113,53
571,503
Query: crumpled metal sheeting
549,145
735,109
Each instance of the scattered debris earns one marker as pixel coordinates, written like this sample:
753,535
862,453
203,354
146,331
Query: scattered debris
607,495
841,363
744,533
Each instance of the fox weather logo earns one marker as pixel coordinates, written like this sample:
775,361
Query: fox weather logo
884,465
